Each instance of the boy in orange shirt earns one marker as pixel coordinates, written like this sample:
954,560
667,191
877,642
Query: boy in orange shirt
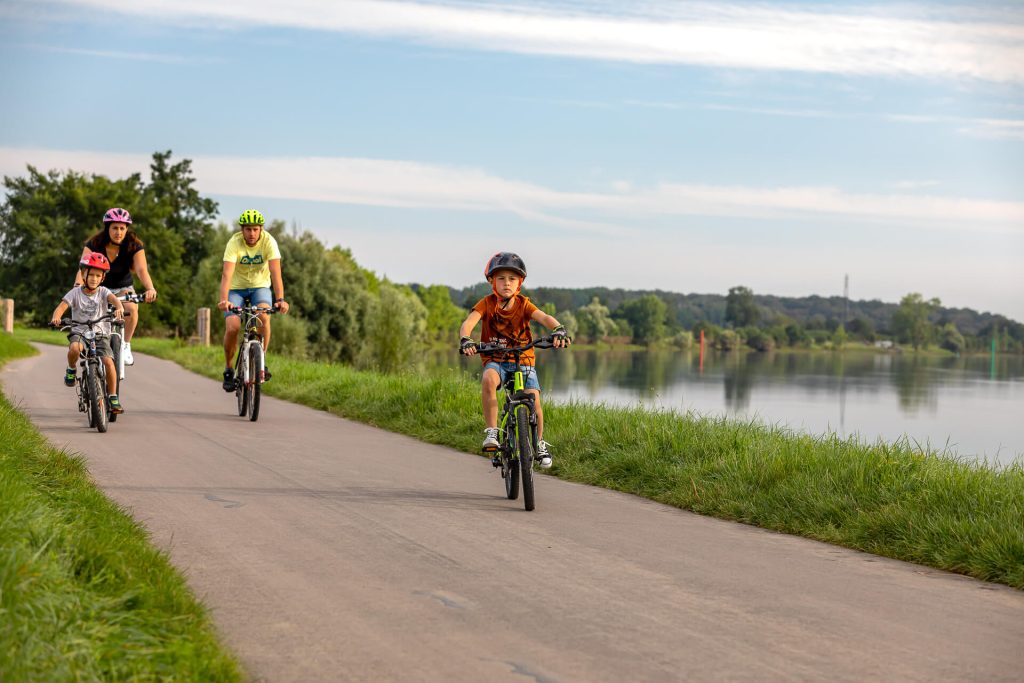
505,316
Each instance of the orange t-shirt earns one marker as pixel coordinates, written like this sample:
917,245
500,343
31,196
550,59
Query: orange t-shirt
508,327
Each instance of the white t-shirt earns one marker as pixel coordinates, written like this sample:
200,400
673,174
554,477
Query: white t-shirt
85,307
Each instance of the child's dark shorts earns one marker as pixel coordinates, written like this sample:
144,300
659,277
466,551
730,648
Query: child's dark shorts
102,344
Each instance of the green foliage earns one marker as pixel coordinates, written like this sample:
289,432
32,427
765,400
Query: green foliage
594,320
740,309
395,324
646,317
862,328
727,340
951,339
839,337
443,316
910,321
758,339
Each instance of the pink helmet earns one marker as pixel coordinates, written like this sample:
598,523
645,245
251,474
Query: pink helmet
117,215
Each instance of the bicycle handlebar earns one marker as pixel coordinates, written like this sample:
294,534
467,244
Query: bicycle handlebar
252,309
67,323
547,342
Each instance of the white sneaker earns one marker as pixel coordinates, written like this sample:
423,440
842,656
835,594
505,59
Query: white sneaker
490,439
126,353
542,453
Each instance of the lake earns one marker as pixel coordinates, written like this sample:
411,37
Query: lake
966,406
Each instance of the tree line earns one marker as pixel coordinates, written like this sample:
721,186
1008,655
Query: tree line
343,312
340,311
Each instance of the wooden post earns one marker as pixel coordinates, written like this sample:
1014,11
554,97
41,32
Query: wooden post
9,316
203,326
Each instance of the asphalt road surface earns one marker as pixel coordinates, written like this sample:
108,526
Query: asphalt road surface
332,551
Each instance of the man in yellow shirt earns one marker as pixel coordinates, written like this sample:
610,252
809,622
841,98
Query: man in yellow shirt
252,263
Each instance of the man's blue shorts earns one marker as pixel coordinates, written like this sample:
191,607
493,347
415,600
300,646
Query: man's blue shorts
254,295
505,371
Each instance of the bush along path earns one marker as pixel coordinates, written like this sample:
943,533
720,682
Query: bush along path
887,499
83,594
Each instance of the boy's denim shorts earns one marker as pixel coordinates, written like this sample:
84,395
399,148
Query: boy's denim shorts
254,295
505,371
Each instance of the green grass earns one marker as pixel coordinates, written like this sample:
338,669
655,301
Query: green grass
887,499
83,595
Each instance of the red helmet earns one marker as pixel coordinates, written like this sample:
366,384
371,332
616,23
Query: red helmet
95,260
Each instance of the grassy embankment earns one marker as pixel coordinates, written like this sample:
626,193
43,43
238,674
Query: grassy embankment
886,499
83,596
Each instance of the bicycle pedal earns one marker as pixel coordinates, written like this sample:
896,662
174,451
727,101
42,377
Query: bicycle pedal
490,449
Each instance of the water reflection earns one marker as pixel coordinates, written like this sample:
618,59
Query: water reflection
967,402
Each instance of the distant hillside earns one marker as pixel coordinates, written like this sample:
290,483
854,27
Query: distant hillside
816,312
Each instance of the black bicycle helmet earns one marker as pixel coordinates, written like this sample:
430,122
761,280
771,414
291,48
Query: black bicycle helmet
505,260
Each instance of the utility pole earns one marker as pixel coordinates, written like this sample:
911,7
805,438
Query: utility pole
846,299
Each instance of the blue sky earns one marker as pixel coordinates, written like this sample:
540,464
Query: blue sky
682,146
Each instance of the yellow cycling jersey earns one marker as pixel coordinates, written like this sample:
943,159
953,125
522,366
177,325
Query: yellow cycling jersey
252,269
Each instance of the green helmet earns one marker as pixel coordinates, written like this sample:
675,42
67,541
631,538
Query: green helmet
251,217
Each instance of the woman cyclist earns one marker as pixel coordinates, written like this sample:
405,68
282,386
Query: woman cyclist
126,254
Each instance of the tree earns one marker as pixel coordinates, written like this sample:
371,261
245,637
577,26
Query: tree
646,316
46,218
862,328
594,320
443,316
910,320
839,337
740,309
951,339
395,322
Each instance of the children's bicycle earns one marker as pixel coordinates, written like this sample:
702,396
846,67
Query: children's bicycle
117,338
250,364
91,383
517,424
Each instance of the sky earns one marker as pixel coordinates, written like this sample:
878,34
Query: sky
683,146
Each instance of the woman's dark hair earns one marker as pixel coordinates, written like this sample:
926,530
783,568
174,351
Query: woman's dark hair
101,239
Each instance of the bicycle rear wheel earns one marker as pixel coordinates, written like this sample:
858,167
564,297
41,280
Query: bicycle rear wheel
525,450
255,365
115,348
97,401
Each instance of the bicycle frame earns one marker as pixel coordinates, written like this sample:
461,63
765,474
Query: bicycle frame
250,317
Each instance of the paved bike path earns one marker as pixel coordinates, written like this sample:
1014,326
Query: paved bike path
329,550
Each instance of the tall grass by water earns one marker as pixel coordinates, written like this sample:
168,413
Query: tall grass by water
889,499
83,595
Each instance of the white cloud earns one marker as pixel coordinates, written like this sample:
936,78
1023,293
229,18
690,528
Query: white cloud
117,54
962,45
412,184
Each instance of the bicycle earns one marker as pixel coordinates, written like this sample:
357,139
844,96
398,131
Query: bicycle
517,424
249,363
116,339
91,382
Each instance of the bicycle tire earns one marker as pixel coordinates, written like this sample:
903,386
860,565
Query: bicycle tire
525,451
98,402
241,389
255,363
510,468
115,348
86,387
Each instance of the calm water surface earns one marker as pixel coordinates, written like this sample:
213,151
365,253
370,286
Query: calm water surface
965,406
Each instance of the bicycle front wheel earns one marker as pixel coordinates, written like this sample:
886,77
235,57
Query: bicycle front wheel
525,450
255,368
98,401
241,387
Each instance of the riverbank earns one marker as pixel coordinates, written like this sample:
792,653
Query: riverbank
83,595
885,499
